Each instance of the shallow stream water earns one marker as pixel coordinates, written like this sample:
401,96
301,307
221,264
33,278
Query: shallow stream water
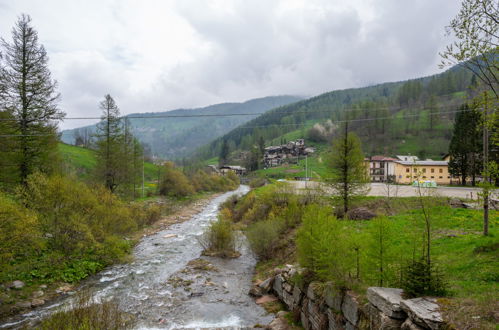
165,289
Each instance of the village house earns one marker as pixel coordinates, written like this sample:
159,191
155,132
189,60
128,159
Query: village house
277,155
382,168
407,169
239,170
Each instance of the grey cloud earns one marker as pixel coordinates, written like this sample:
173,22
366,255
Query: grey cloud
233,50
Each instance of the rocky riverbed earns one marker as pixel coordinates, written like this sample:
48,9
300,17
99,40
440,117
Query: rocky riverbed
168,285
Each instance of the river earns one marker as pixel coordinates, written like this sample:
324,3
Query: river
168,287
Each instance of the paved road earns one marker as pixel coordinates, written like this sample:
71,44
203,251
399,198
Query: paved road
380,189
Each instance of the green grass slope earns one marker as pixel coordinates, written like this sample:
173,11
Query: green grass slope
82,161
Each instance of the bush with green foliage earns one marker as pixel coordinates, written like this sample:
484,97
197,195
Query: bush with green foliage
324,248
263,236
174,183
219,239
422,279
257,182
85,314
62,229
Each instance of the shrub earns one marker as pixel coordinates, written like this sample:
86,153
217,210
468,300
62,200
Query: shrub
324,248
422,279
69,230
86,314
19,234
257,182
263,237
220,239
174,183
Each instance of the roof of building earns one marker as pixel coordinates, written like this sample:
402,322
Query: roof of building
424,163
383,158
233,167
407,158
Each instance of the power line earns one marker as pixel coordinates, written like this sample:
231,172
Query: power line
238,114
302,124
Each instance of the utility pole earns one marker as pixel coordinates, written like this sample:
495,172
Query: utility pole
143,176
485,166
306,170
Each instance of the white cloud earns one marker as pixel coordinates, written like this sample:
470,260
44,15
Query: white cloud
157,55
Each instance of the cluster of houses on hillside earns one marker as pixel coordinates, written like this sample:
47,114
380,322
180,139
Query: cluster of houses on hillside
285,153
407,169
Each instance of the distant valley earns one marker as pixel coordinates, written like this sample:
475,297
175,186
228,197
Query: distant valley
178,137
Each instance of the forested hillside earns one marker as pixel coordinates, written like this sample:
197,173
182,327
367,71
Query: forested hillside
174,137
414,116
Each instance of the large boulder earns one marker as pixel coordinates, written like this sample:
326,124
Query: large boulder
387,300
423,312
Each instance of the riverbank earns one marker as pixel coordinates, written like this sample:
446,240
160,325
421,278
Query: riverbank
17,297
464,258
169,284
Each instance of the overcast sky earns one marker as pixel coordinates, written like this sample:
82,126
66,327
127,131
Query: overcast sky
166,54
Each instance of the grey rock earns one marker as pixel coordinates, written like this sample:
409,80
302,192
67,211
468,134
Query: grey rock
279,323
387,300
409,325
333,297
277,286
350,326
423,311
288,287
316,318
314,290
256,291
23,305
267,284
287,298
379,320
304,320
43,286
37,294
335,320
350,308
37,302
297,295
17,284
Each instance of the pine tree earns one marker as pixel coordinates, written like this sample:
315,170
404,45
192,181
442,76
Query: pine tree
109,167
224,153
348,172
465,146
30,96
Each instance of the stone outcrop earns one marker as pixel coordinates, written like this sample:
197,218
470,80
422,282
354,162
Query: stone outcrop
323,306
424,312
387,300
